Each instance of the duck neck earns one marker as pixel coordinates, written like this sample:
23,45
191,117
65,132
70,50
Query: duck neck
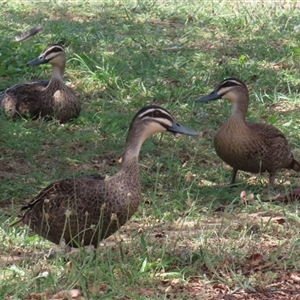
240,106
58,72
56,79
133,145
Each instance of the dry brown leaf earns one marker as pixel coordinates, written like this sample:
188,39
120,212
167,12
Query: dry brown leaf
159,235
69,266
243,195
189,176
176,281
97,289
295,278
146,291
247,199
37,296
67,295
219,286
255,259
279,220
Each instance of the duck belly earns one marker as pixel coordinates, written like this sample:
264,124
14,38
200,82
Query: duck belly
239,153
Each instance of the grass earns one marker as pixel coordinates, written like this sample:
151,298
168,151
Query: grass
193,236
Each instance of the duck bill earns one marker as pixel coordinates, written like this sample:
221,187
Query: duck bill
177,128
212,96
36,62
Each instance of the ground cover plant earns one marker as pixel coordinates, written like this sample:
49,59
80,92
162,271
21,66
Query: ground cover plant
193,237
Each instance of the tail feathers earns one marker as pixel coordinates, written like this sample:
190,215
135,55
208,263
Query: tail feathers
295,166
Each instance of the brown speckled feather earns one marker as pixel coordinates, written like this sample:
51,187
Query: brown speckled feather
266,150
247,146
86,209
19,101
88,205
49,99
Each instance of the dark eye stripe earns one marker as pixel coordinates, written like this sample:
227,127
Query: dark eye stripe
154,113
56,49
231,82
157,114
53,48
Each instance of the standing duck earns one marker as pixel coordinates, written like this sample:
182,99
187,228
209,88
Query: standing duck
247,146
50,99
86,209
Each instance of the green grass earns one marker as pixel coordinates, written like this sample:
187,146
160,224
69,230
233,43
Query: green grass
192,236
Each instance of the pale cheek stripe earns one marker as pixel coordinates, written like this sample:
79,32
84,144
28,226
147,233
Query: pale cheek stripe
154,109
161,121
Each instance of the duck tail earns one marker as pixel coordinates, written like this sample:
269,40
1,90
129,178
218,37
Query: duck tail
295,166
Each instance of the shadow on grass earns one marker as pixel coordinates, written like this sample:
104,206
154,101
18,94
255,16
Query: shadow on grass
139,45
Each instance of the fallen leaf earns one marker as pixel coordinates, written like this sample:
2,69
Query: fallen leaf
219,286
159,235
255,259
37,296
69,266
67,295
188,176
146,292
97,289
247,199
243,195
176,281
295,278
279,220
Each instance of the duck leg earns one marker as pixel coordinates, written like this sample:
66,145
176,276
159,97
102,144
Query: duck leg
273,192
233,175
271,180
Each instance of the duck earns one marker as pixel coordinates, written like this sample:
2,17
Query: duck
49,99
248,146
83,210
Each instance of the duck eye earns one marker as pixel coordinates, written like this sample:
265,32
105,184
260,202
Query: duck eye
156,113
